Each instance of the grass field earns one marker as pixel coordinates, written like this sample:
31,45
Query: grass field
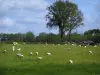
57,64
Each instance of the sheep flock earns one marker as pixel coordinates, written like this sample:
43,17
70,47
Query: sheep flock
16,48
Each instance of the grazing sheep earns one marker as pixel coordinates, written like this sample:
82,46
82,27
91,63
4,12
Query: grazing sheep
36,53
79,45
73,44
20,55
70,62
30,53
90,52
65,44
39,58
53,44
58,44
15,43
13,48
85,46
95,46
49,54
4,51
18,49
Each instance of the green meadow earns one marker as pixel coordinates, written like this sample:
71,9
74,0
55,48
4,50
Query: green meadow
56,64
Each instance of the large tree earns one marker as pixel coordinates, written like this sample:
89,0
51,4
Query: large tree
63,15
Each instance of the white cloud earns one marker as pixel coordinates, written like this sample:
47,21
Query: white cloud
7,22
23,4
22,15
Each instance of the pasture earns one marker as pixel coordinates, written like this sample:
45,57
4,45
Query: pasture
56,64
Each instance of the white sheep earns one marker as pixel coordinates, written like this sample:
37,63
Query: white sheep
15,43
53,44
36,53
79,45
85,46
30,53
20,55
90,52
65,44
39,58
49,54
4,51
13,48
18,49
73,44
70,62
69,49
95,46
58,44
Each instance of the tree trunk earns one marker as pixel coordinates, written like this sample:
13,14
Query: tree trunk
69,35
61,34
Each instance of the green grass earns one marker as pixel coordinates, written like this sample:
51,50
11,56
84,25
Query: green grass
57,64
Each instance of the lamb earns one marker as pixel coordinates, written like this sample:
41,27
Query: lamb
18,49
30,53
85,46
79,45
19,55
4,51
58,44
49,54
95,46
39,58
70,62
36,53
73,44
13,48
15,43
90,52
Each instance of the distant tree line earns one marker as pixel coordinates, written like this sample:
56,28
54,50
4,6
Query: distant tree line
29,37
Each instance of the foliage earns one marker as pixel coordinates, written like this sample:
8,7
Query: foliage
29,37
92,31
43,37
64,15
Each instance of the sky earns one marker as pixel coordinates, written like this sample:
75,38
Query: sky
29,15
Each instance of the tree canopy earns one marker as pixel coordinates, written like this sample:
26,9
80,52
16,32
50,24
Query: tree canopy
64,15
92,31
